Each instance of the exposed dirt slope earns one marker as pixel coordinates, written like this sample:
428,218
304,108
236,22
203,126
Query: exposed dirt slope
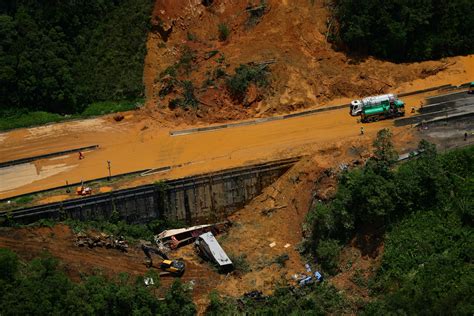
307,70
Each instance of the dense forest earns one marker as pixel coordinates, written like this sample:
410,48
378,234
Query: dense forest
59,56
422,213
40,287
404,30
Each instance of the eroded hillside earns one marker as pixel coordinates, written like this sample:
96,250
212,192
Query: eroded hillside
195,46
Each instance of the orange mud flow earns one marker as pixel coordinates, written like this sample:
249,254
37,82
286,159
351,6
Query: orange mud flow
129,149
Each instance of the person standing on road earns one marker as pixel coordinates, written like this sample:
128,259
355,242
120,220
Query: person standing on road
465,136
81,155
362,130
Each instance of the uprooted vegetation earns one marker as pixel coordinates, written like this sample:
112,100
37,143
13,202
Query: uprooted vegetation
246,75
178,88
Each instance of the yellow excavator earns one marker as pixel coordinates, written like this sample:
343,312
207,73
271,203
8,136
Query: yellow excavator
169,267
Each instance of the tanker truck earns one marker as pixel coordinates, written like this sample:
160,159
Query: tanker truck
357,105
385,109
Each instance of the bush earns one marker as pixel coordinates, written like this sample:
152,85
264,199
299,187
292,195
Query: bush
240,262
101,108
185,62
189,97
191,36
8,265
243,77
220,306
256,13
224,32
327,254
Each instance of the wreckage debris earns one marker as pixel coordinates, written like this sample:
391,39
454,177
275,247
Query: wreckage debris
304,279
255,295
101,240
172,239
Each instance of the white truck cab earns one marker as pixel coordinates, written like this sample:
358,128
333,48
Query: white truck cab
356,107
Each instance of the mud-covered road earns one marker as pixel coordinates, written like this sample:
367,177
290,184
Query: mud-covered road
129,146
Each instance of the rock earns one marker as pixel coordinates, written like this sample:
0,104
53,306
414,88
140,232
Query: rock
118,117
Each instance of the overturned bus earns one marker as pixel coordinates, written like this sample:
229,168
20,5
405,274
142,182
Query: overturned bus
209,249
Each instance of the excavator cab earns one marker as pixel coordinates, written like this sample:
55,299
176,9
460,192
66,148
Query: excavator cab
169,267
174,267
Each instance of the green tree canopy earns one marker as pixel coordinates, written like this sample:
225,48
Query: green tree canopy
61,56
404,30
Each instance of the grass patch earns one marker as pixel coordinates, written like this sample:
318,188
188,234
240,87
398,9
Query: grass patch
25,119
223,31
22,118
107,107
16,203
23,200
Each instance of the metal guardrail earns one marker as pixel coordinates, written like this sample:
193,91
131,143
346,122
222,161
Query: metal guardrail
298,114
55,154
75,184
453,106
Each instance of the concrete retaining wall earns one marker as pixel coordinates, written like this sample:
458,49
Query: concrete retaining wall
203,198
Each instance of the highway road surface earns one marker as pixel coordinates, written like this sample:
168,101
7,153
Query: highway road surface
137,144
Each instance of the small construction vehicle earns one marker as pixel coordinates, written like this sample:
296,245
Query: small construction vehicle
169,267
82,190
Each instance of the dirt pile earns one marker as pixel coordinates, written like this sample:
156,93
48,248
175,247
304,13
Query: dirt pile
292,35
